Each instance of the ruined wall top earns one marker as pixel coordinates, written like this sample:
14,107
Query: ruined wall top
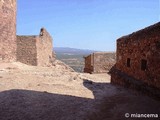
138,55
37,49
141,34
99,53
44,33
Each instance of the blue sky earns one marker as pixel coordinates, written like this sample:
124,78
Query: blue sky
86,24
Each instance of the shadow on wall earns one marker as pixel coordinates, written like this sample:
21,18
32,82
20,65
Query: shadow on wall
121,78
34,105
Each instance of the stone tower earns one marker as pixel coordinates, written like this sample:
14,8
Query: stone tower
8,30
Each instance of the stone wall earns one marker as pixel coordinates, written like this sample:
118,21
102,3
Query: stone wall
99,62
44,48
138,56
27,49
103,61
123,79
31,50
8,30
35,50
88,64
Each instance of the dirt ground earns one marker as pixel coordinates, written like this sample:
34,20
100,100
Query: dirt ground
58,93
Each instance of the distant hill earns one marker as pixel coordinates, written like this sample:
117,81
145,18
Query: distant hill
72,51
72,56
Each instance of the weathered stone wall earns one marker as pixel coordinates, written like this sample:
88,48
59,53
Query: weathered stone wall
27,49
103,61
138,56
44,48
7,30
88,64
99,62
31,50
123,79
35,50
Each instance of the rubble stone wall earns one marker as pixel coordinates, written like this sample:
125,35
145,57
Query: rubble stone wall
31,50
44,48
27,50
35,50
138,56
103,61
99,62
88,64
8,30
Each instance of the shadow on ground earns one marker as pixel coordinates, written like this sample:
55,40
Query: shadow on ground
34,105
115,106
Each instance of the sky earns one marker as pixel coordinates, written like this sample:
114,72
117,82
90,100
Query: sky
86,24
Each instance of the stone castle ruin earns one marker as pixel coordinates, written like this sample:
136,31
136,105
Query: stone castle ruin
138,54
138,60
31,50
99,62
35,50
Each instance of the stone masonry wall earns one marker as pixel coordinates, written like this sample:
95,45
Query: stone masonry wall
35,50
88,64
138,57
103,61
27,50
99,62
7,30
31,50
44,48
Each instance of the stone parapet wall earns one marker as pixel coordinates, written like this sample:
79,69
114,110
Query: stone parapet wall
8,30
27,50
99,62
35,50
88,64
103,61
44,48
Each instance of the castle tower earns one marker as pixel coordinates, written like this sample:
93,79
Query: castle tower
7,30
